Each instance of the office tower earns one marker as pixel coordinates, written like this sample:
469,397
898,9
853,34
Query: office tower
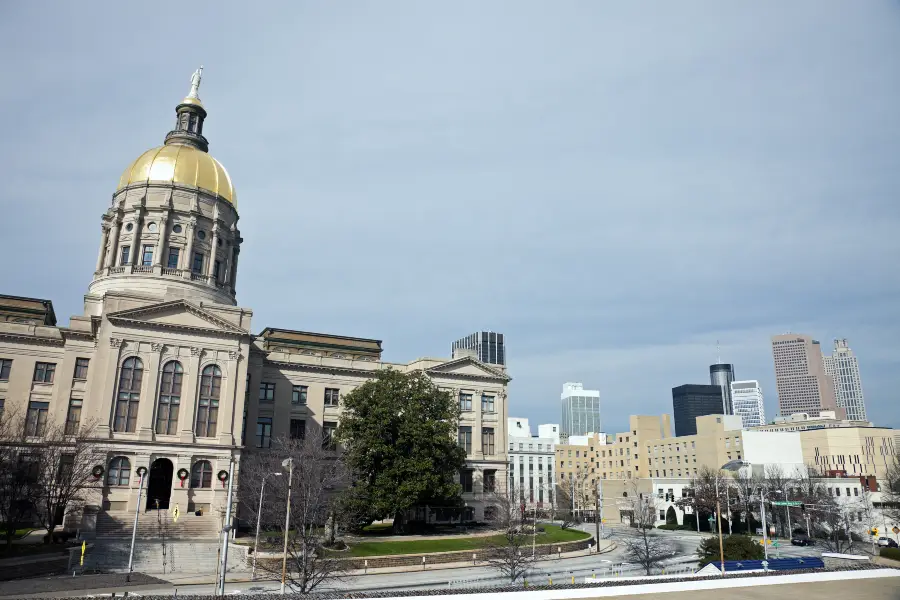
488,347
692,401
722,375
800,378
747,401
843,368
580,410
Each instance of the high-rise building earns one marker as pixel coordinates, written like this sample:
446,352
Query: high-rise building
722,374
488,347
580,410
802,383
747,400
691,401
843,368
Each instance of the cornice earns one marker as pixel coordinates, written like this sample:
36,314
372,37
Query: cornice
32,339
138,324
226,329
289,366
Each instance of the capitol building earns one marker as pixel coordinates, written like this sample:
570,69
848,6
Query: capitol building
165,365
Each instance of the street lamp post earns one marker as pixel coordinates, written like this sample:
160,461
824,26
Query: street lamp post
737,465
262,490
719,519
137,511
289,464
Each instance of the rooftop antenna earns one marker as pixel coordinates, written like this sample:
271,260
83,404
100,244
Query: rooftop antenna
718,354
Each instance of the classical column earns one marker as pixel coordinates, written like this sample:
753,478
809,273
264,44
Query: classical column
149,393
237,251
161,241
114,243
189,390
211,268
190,227
136,236
226,276
232,389
104,238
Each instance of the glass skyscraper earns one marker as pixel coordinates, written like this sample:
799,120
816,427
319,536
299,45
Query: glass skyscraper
580,410
488,347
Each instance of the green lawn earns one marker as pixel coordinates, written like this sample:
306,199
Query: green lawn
553,534
19,533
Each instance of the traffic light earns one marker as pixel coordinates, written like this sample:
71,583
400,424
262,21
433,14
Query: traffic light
802,508
874,532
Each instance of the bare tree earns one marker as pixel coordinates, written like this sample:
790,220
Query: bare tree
890,489
779,483
65,460
703,497
19,474
512,557
645,548
319,474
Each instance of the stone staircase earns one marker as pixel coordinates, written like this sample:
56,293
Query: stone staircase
162,557
157,526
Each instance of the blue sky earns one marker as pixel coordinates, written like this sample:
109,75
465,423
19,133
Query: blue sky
613,185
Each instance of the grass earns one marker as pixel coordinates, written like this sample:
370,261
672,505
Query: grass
18,534
553,534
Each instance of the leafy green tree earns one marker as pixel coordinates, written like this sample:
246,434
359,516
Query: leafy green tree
736,547
399,432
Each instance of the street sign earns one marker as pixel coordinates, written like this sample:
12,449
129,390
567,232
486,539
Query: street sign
896,530
786,503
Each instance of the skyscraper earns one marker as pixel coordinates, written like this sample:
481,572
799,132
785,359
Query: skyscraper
800,377
747,400
722,375
488,347
580,410
691,401
843,368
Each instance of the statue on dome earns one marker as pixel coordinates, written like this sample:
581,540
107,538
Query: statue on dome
195,83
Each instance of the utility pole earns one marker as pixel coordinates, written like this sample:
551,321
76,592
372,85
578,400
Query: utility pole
137,511
226,529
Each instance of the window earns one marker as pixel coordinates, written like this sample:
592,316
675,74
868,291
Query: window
119,471
465,439
201,474
266,392
487,440
331,396
5,367
465,479
65,470
197,267
329,435
217,268
298,394
126,254
73,417
174,255
169,399
129,395
43,372
856,491
465,401
2,402
837,491
298,429
264,432
487,404
36,419
147,256
208,409
81,368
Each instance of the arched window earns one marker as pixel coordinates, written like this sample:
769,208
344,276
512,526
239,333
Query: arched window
119,471
201,474
208,409
130,377
169,399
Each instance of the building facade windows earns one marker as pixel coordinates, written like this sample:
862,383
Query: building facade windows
266,392
329,437
490,481
465,402
147,256
208,407
197,266
332,396
174,255
298,429
487,440
129,395
264,432
119,472
5,368
81,368
126,254
169,398
43,372
487,404
73,416
201,474
36,418
465,479
298,394
464,438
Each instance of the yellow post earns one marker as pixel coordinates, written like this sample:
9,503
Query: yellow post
551,581
83,549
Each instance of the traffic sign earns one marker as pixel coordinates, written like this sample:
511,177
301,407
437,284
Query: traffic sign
896,529
786,503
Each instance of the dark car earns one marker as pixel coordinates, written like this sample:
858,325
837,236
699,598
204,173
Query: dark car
801,539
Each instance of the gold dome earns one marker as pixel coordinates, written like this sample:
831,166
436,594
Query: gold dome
177,163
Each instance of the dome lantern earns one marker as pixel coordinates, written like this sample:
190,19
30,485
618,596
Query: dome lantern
190,115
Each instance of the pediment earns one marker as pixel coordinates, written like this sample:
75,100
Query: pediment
468,367
178,314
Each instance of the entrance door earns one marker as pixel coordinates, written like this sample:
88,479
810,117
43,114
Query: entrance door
159,484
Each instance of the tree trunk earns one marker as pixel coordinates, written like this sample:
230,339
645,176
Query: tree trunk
399,525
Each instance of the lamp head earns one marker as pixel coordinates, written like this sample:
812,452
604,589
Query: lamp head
287,463
734,465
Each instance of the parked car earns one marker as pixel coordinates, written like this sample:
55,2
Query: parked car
887,542
801,539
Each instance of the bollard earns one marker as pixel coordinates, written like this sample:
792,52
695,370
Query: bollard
551,581
593,575
558,552
573,579
474,559
366,567
423,563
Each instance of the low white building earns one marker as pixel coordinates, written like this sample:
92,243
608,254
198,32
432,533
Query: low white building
531,461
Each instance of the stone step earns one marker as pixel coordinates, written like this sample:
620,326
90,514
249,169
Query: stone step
156,557
152,525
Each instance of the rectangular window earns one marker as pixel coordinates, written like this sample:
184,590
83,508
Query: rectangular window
126,254
5,368
73,417
197,267
217,267
332,396
264,432
465,402
43,372
490,481
487,404
174,255
465,439
266,392
298,394
2,402
81,368
298,429
487,440
329,435
147,256
36,419
465,479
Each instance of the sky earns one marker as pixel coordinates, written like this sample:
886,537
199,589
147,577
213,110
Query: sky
618,187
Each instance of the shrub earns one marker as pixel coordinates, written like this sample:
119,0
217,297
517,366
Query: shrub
735,547
891,553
